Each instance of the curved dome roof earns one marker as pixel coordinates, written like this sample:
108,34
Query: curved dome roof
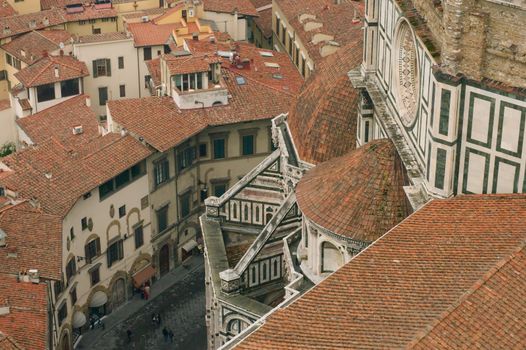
323,119
359,195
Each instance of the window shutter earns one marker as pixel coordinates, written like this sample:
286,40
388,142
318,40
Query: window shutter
95,69
121,249
108,255
108,67
86,254
98,245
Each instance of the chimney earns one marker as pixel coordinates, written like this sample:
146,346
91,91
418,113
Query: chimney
32,24
44,53
23,52
56,72
7,30
195,36
45,21
88,101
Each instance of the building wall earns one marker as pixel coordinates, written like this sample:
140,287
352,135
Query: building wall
128,76
282,45
157,51
8,130
106,25
39,106
233,24
25,6
107,227
138,5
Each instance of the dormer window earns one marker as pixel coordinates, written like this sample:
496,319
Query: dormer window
188,82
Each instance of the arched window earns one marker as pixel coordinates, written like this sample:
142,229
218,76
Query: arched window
331,258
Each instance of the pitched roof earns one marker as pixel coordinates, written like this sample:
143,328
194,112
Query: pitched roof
18,24
43,71
261,97
150,34
154,68
27,321
59,120
359,195
5,104
323,119
264,21
336,21
6,9
27,228
91,12
50,171
243,7
190,63
31,47
455,265
96,38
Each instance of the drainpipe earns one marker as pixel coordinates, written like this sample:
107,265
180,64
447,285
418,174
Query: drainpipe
138,73
235,25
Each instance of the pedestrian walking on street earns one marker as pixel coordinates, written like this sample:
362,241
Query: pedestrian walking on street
129,334
171,335
146,292
154,319
158,319
165,334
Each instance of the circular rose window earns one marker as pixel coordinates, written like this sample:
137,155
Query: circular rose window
406,69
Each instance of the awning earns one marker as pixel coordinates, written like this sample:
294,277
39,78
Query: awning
142,276
79,319
99,298
188,246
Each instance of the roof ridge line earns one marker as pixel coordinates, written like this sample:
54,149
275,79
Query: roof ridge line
43,36
40,73
419,336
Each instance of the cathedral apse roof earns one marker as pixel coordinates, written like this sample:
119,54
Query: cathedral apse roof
323,119
359,195
450,276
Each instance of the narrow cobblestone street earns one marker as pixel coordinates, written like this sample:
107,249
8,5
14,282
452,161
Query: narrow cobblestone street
182,309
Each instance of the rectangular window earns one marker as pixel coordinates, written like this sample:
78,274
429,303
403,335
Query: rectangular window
202,150
16,63
96,31
58,287
101,67
185,201
162,219
106,188
46,92
122,179
122,90
115,252
139,237
161,171
443,125
166,49
283,35
219,148
62,312
9,59
121,62
92,21
303,64
92,250
122,211
278,26
290,45
103,96
82,22
185,158
138,170
69,87
73,295
248,143
147,79
94,275
219,189
297,58
440,168
366,132
147,51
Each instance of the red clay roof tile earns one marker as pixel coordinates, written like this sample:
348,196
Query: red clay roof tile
43,71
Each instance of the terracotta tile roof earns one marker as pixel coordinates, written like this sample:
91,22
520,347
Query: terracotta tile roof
460,257
190,63
6,9
150,34
336,20
31,47
323,119
261,97
137,15
27,321
96,38
8,343
154,68
50,172
91,12
359,195
243,7
59,120
27,228
43,71
18,24
264,22
60,4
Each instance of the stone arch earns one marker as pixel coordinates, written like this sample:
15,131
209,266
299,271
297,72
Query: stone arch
112,224
93,291
65,339
116,278
331,258
230,321
140,262
129,222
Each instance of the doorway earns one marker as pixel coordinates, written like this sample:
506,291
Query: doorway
118,295
164,259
